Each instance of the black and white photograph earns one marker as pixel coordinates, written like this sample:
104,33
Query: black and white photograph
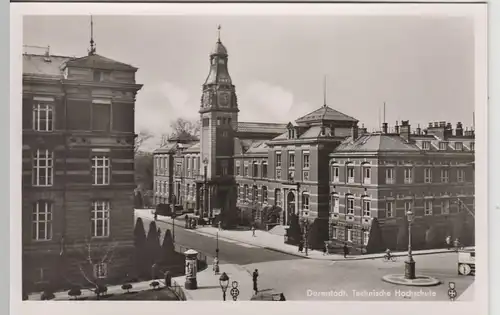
250,155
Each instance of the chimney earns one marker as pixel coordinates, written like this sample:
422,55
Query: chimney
354,132
405,130
437,129
396,128
459,131
362,130
448,130
384,127
419,131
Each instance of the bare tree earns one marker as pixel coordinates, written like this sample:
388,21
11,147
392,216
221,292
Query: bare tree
92,255
181,126
142,136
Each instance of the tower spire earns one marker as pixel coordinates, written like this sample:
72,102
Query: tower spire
92,43
218,33
324,91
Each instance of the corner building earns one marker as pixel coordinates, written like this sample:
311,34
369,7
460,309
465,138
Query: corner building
78,170
250,167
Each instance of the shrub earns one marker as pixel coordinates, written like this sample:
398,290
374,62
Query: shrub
294,232
168,279
154,284
75,292
100,290
47,294
127,287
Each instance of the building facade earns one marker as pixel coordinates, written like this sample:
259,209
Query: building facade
312,168
78,170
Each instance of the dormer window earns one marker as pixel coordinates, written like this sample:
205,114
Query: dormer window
458,146
426,145
443,146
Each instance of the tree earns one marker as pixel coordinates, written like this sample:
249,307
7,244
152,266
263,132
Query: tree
143,171
182,126
75,292
152,244
141,137
294,232
141,260
167,248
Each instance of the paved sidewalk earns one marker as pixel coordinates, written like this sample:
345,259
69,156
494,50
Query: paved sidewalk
209,288
274,242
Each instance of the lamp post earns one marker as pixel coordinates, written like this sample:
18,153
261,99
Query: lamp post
305,224
224,282
410,263
217,246
205,191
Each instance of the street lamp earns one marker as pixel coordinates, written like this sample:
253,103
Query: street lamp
217,246
205,191
224,282
305,224
410,263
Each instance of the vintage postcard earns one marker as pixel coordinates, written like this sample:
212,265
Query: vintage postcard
307,153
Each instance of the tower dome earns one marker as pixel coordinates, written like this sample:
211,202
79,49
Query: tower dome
219,49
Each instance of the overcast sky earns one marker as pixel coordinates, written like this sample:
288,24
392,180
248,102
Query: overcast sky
422,67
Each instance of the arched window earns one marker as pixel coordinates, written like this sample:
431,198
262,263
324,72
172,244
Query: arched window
366,203
334,203
305,203
277,197
350,204
264,194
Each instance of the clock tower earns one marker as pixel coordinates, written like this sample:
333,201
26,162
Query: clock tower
219,121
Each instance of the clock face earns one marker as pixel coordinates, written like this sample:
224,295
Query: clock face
224,99
464,269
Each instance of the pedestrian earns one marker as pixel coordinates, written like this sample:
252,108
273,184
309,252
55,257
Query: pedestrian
456,243
186,221
448,241
255,275
220,225
253,231
346,250
216,266
301,246
156,216
325,250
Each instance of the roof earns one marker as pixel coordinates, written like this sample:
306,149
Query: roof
183,136
376,142
40,65
219,49
325,113
258,146
258,127
99,62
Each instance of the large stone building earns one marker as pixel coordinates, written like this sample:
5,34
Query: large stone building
78,169
246,165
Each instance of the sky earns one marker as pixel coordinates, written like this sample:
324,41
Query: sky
422,67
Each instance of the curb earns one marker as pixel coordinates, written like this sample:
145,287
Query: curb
360,257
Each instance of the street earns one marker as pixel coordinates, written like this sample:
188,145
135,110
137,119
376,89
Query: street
308,279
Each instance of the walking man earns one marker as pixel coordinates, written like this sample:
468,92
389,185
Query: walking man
255,275
301,246
448,241
253,230
346,250
220,225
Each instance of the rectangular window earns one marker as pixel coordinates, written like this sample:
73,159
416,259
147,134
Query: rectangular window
305,175
428,175
350,205
349,235
444,176
389,176
101,271
408,206
238,169
458,146
367,172
366,208
43,117
366,237
443,146
291,159
43,169
389,209
428,207
101,117
264,194
277,198
336,172
334,234
445,207
408,175
100,170
100,218
278,159
255,171
306,159
42,221
460,175
426,145
335,204
350,174
278,174
305,202
224,167
245,170
264,169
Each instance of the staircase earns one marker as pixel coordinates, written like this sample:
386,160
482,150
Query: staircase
278,230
